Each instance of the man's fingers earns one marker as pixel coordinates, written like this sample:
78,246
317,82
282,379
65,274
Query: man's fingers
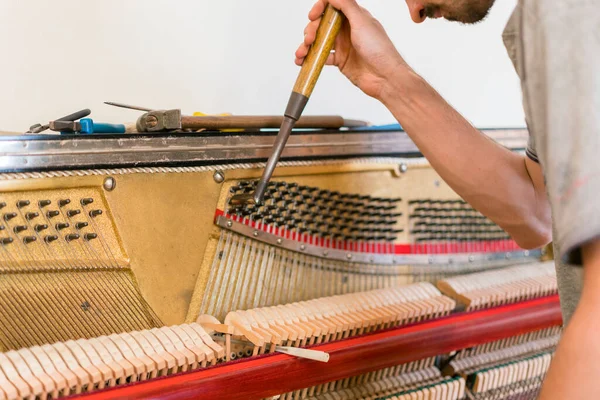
349,8
310,32
312,26
302,51
330,59
317,10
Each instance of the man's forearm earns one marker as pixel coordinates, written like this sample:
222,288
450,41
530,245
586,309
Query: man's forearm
575,369
491,178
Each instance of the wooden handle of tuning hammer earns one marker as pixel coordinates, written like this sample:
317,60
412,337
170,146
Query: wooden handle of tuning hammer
329,27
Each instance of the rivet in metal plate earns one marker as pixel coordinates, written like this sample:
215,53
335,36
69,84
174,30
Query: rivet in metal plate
430,260
109,183
349,256
403,167
218,177
436,183
471,258
279,241
507,255
229,224
325,253
526,253
302,247
255,233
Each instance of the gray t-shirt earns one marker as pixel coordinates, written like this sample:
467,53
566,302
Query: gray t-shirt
555,48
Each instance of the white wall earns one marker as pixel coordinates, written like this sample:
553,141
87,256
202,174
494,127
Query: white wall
226,56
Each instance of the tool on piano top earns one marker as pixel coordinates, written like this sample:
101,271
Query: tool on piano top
38,128
329,27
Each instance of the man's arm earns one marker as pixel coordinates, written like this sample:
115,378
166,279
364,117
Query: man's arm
575,370
505,186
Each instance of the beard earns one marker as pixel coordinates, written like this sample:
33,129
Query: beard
464,11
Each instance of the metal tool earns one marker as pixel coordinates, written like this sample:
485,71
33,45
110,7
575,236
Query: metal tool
85,126
37,128
128,106
329,27
169,120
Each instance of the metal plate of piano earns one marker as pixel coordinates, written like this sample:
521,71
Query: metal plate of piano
135,233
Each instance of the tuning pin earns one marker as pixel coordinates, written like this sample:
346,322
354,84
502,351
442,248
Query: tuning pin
19,228
90,236
9,216
63,202
95,213
29,239
50,238
60,226
71,236
6,240
80,225
22,203
52,213
86,201
44,203
40,227
72,213
31,215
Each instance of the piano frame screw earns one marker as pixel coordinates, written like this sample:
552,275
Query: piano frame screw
279,241
302,247
471,258
229,224
325,253
403,167
109,184
219,177
349,256
255,233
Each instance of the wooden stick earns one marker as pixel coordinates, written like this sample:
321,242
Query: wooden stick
266,122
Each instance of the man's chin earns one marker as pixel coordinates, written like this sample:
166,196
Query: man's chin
467,19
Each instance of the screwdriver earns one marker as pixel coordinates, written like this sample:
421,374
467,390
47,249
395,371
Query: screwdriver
328,29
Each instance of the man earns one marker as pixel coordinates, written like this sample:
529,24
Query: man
555,47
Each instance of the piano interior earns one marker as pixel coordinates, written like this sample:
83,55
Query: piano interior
361,276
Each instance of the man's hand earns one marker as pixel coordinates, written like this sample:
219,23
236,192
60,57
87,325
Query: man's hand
363,50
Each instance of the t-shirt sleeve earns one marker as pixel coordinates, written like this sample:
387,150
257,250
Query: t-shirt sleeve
561,49
530,151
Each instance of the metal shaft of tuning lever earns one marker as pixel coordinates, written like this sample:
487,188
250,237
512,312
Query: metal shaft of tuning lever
329,27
